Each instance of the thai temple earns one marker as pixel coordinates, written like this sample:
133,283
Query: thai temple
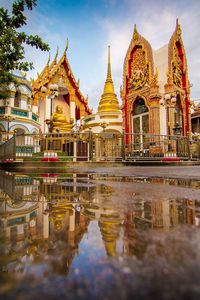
156,89
155,101
57,95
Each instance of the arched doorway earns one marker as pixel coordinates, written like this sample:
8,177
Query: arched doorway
20,137
140,123
111,144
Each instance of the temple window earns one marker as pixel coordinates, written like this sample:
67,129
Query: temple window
139,107
140,122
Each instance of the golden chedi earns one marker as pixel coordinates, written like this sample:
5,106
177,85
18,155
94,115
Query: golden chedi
59,121
109,102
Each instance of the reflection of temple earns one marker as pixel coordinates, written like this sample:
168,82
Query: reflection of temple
156,88
155,214
49,215
30,222
68,96
19,210
65,202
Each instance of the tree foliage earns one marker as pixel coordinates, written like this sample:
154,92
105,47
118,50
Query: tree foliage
13,40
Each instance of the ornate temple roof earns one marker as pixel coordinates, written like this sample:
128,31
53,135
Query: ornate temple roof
109,101
49,72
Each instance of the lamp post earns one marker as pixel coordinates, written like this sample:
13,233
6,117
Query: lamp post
177,132
168,101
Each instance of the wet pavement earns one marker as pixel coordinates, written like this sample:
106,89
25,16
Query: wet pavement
89,235
189,172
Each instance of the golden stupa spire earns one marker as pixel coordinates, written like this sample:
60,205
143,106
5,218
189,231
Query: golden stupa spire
108,102
109,67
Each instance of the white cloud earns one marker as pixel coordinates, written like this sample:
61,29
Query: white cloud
156,22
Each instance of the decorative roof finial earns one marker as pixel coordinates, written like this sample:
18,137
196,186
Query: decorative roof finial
49,58
178,28
55,59
135,33
154,79
66,47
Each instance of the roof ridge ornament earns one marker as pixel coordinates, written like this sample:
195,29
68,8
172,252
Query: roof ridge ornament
135,33
66,47
178,28
56,56
49,58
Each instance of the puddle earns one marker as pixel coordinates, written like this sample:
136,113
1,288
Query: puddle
86,236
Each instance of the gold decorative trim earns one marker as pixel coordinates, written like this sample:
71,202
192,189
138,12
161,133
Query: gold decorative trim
109,117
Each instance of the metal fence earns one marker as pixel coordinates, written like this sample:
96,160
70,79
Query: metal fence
151,146
88,146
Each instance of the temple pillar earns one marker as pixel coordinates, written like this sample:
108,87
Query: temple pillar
74,183
97,147
48,106
75,151
171,120
73,109
154,116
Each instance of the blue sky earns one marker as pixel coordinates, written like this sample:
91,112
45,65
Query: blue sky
92,25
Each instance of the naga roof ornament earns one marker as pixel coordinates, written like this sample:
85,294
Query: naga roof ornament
66,47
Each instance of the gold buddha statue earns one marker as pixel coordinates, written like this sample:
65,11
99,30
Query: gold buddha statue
59,121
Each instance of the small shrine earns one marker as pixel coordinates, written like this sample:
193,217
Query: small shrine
57,94
106,123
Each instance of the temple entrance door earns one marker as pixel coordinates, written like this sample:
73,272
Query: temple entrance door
110,145
140,129
140,115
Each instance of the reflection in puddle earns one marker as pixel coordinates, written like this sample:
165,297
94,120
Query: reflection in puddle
91,230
